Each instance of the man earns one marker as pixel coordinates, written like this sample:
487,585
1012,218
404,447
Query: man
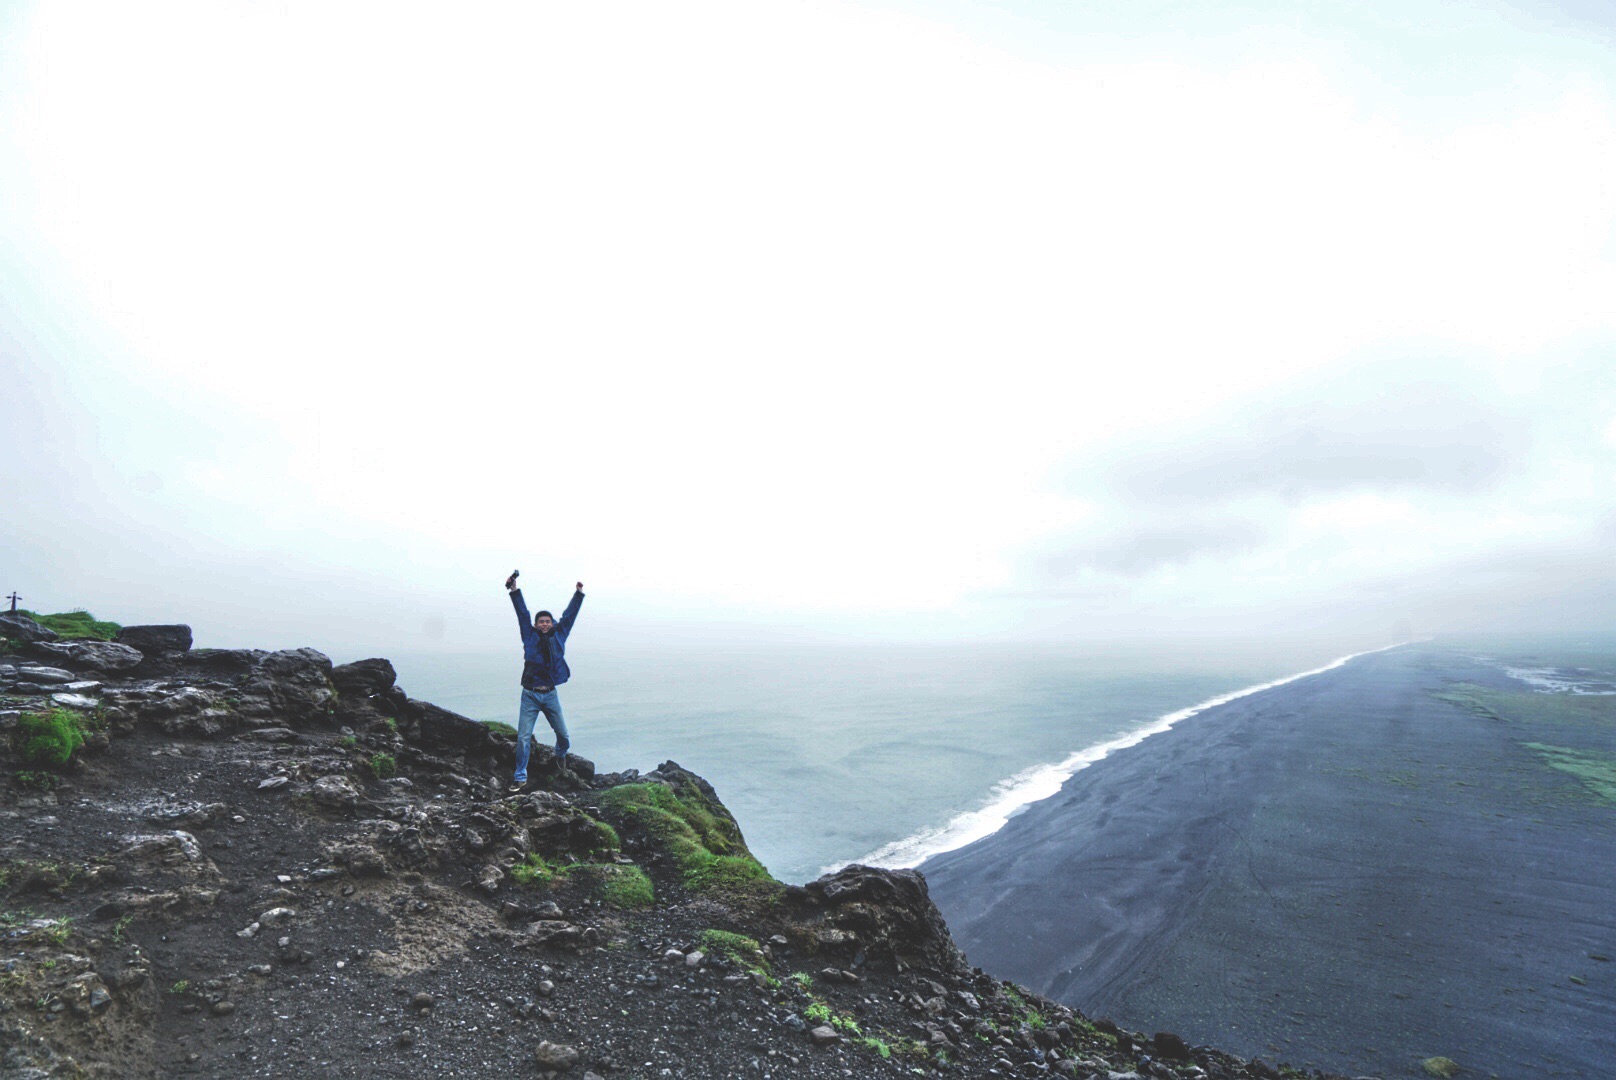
544,646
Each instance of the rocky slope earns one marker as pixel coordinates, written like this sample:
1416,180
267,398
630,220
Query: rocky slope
259,864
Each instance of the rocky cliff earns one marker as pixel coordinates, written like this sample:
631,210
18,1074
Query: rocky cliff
232,862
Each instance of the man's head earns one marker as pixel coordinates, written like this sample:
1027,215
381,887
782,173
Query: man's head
544,622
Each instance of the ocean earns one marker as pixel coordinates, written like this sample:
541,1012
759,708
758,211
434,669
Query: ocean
829,754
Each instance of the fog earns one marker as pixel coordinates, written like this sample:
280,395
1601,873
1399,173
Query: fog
1026,324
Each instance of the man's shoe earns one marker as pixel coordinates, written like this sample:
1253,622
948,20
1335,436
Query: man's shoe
516,785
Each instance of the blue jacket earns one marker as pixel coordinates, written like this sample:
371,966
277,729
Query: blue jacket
545,653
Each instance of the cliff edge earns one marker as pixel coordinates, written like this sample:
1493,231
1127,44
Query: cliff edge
234,862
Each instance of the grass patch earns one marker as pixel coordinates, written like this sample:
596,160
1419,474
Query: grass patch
735,947
382,765
1596,771
1532,707
75,625
626,887
500,728
37,781
534,869
347,742
49,738
874,1045
706,844
803,979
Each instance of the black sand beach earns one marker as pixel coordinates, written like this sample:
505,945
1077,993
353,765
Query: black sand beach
1346,872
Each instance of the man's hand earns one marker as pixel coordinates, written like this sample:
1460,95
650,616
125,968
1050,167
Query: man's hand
510,582
580,587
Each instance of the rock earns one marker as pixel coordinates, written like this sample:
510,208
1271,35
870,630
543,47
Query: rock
277,915
1170,1046
74,701
224,661
889,910
81,686
273,782
157,638
223,1008
440,727
364,677
164,849
423,1000
105,656
824,1035
290,686
251,930
188,710
694,957
338,792
557,1056
21,628
99,998
50,676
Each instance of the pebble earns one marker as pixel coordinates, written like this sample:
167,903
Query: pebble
273,782
694,958
423,1000
223,1008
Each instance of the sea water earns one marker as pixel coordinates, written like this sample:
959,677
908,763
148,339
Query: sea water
829,754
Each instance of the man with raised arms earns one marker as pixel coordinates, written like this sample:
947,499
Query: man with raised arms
544,644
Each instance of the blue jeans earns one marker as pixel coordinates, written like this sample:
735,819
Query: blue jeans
533,703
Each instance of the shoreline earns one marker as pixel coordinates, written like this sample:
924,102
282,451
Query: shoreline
1350,873
1014,794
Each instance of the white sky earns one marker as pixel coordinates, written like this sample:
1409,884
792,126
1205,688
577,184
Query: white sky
905,319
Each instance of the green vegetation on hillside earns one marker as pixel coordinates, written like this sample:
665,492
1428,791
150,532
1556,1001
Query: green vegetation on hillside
1596,771
707,846
49,738
75,625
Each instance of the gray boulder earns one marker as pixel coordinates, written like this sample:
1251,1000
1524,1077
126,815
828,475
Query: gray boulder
438,726
22,628
157,639
107,657
366,677
224,661
291,686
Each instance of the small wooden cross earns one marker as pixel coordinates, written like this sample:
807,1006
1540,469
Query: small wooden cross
14,598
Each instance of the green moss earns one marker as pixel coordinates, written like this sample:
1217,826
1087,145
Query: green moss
347,742
874,1045
383,765
606,837
75,625
533,868
626,887
1440,1066
49,738
38,781
706,844
1596,771
736,947
499,728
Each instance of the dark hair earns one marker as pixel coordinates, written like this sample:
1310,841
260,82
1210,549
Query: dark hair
543,614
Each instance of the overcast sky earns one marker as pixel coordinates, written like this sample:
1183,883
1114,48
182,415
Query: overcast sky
907,320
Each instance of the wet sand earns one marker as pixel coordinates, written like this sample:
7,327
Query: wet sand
1344,873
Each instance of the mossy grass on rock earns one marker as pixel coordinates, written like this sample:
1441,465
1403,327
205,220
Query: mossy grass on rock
76,625
682,815
49,738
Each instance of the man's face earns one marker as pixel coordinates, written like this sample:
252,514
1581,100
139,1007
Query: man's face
543,624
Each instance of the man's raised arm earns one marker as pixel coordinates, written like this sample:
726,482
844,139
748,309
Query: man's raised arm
522,619
564,627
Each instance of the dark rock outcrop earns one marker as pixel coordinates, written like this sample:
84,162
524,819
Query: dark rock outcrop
157,638
365,677
22,628
292,684
882,913
107,657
